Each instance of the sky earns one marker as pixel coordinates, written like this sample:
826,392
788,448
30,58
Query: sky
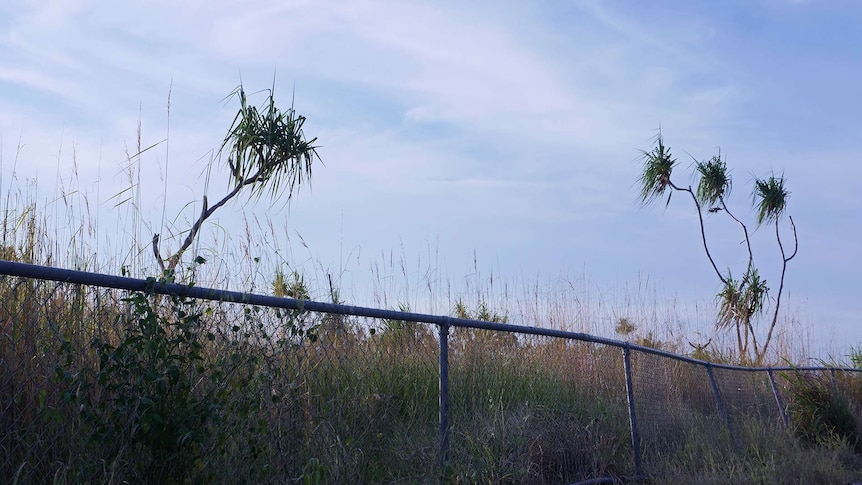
465,141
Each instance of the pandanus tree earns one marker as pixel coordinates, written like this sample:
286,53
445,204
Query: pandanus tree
740,301
266,152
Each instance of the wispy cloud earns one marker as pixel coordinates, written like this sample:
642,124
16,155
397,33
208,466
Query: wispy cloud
462,122
33,79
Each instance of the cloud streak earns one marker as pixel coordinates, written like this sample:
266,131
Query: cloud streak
506,127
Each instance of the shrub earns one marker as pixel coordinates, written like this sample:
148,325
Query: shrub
154,391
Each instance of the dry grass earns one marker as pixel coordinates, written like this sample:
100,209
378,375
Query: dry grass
325,399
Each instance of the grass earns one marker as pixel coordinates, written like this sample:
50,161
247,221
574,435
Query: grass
311,399
770,458
218,392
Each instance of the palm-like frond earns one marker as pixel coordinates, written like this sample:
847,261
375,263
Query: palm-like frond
728,302
739,301
770,198
714,182
658,165
754,294
267,148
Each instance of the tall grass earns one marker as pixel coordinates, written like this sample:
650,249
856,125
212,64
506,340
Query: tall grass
103,386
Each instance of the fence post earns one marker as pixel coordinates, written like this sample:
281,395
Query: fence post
444,398
633,422
778,398
718,401
834,382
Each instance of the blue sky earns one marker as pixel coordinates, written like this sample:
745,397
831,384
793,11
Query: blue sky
505,130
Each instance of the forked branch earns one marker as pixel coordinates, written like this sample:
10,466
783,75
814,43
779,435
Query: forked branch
785,260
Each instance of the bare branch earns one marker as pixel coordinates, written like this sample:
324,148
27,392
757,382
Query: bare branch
785,260
702,229
744,231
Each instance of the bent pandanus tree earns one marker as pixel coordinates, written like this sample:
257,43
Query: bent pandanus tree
266,152
739,301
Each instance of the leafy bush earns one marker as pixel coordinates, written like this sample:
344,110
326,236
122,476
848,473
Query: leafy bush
150,396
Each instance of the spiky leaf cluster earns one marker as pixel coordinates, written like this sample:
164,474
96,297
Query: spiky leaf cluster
770,198
740,301
658,165
715,181
267,148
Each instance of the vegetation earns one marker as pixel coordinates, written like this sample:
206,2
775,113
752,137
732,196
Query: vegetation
740,301
99,385
821,414
104,387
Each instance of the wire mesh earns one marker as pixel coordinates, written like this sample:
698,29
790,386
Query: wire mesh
530,409
93,388
675,406
368,395
749,402
849,385
99,385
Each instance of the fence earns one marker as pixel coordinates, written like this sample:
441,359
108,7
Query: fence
106,378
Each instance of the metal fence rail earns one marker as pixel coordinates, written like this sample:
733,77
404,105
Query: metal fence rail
279,389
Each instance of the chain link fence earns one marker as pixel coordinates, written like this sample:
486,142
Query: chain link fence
110,379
